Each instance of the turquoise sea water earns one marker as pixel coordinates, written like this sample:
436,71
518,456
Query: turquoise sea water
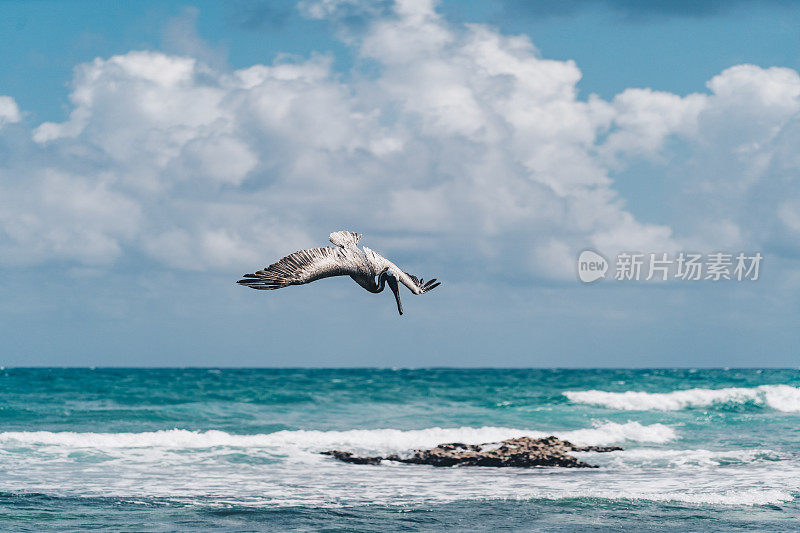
237,450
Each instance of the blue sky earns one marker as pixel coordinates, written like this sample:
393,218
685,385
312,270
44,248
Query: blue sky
151,152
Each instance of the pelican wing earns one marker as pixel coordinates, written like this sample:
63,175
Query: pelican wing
302,267
344,238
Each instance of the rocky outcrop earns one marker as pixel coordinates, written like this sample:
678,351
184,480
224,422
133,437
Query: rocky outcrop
519,452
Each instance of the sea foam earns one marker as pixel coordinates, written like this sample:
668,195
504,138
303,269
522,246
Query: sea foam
686,459
779,397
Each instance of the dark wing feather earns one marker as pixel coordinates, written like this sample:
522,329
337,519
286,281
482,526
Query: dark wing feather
301,267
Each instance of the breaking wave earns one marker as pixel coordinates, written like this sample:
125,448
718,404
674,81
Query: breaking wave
783,398
356,439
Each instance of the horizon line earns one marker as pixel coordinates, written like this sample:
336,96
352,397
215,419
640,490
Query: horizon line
223,367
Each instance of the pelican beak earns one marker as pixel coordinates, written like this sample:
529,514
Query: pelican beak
392,281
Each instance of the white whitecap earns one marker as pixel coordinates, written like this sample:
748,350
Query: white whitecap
779,397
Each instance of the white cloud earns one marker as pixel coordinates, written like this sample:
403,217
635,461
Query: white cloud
466,140
738,179
9,112
49,214
645,118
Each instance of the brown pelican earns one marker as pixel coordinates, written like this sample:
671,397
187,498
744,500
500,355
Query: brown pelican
345,259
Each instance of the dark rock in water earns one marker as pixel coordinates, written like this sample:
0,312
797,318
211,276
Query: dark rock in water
520,452
348,457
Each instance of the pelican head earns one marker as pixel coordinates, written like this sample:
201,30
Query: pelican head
386,276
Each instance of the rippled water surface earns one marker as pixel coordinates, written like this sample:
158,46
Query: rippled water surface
239,449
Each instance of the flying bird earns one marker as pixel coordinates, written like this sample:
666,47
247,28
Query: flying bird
367,268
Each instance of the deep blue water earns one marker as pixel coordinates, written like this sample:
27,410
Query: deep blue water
237,449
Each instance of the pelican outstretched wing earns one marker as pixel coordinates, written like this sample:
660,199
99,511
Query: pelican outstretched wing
302,267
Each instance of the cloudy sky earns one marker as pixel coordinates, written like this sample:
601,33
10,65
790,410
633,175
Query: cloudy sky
152,152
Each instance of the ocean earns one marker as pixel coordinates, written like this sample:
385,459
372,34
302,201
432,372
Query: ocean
238,449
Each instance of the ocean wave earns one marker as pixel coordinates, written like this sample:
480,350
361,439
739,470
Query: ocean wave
464,492
197,466
691,459
355,439
467,492
730,497
750,497
783,398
